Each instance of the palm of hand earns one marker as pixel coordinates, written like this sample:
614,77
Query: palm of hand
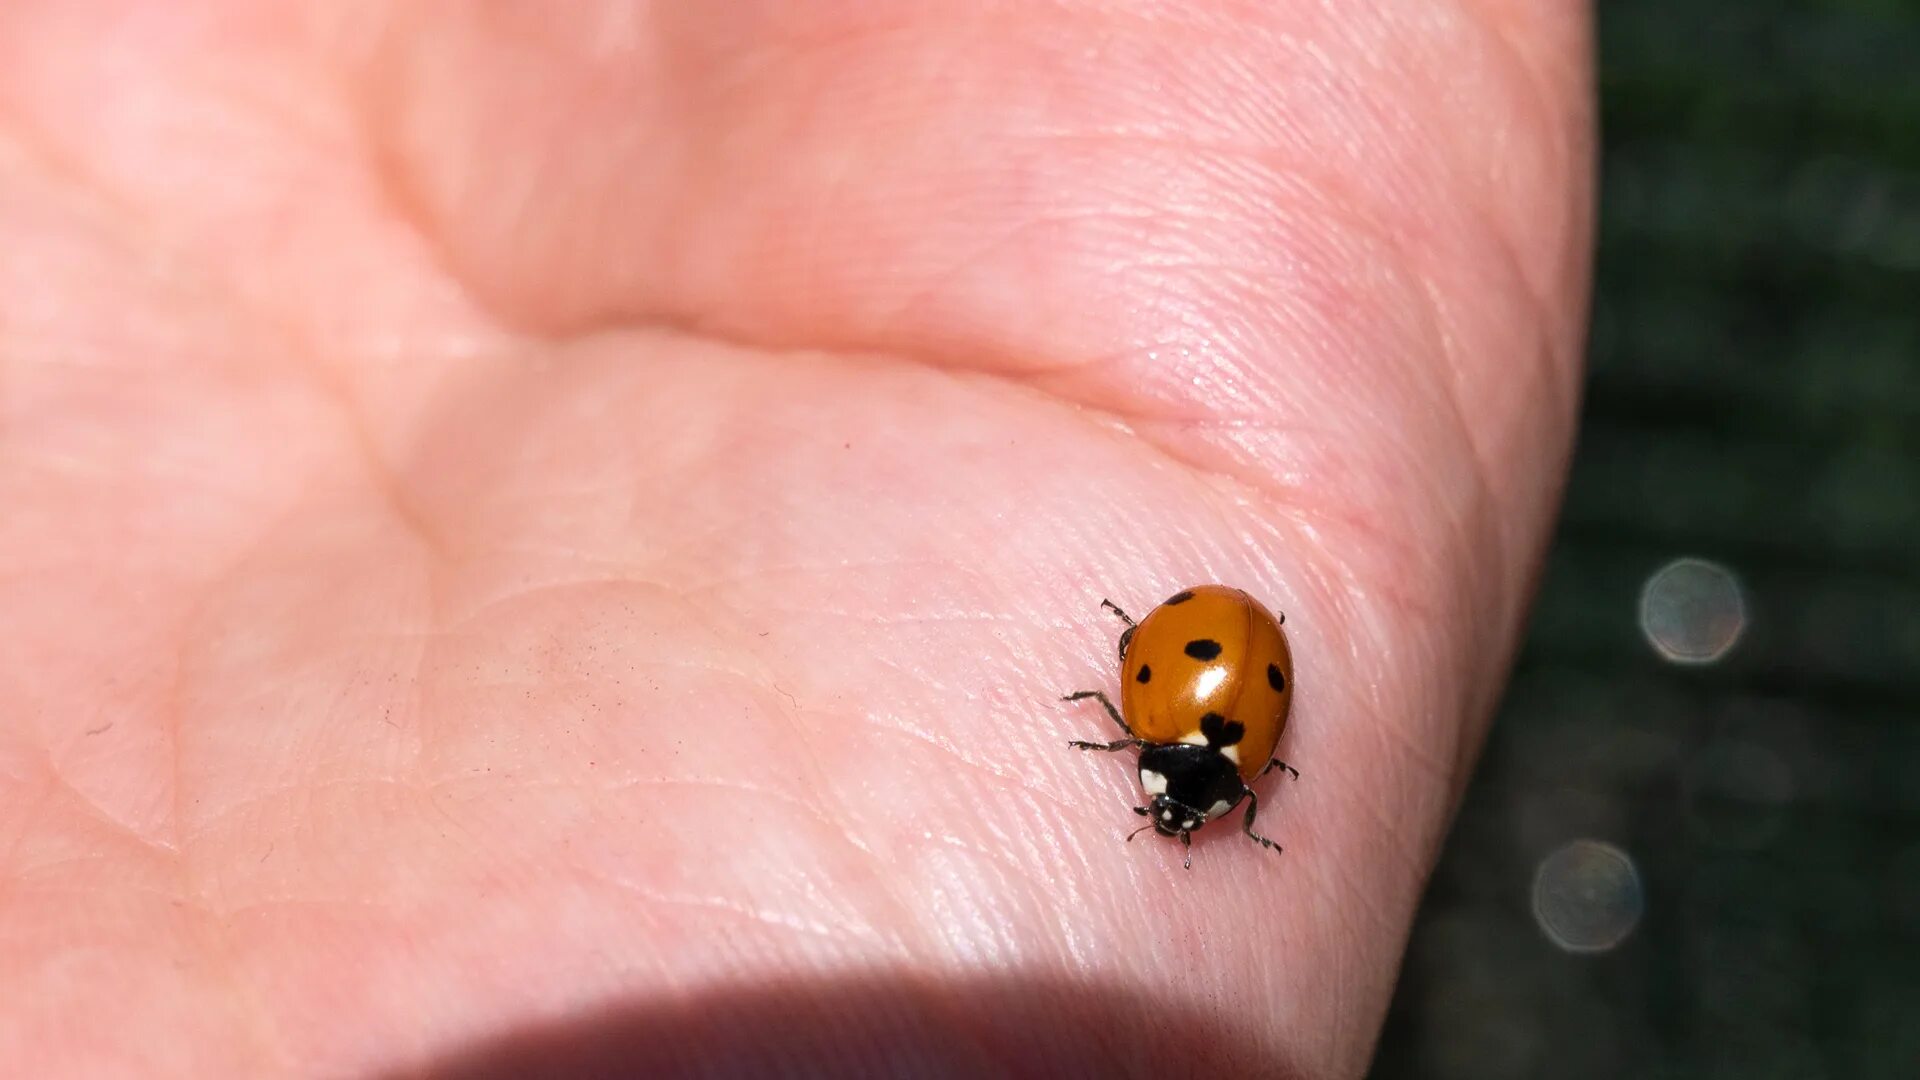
517,516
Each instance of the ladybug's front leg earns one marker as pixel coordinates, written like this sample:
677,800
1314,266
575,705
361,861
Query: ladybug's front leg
1117,744
1082,695
1126,636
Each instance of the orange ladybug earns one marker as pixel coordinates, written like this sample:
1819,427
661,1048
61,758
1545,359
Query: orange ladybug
1208,678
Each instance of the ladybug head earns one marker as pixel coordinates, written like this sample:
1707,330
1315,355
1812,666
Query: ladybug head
1171,818
1179,779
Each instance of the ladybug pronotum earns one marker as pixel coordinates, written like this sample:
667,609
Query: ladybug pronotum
1207,678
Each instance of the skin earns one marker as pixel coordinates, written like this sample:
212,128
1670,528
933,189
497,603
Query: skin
561,529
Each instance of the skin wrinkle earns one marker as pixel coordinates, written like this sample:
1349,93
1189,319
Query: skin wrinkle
792,717
714,584
1389,595
1223,493
975,914
1279,143
96,195
307,789
996,854
890,893
196,633
888,889
817,775
79,897
635,588
1476,527
10,877
1364,913
386,184
953,756
1163,448
1356,221
935,619
386,482
1543,133
1173,35
255,908
256,692
1543,370
212,283
996,829
1054,368
618,568
812,808
1549,366
261,1031
1038,373
1443,769
874,721
765,917
941,281
99,815
1412,860
1344,632
432,796
1531,102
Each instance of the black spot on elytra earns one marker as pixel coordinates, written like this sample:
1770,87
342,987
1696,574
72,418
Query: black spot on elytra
1203,649
1179,598
1275,679
1221,731
1146,673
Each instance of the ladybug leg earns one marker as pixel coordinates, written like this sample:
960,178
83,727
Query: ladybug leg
1276,763
1253,807
1082,695
1126,636
1186,839
1117,744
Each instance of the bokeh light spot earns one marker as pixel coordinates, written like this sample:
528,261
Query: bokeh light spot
1693,611
1587,896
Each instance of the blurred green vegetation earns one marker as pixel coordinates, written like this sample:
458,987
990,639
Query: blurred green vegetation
1754,400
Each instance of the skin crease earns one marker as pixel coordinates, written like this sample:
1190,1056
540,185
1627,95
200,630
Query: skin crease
515,508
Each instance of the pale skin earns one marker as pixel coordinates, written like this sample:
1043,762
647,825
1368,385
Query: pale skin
519,518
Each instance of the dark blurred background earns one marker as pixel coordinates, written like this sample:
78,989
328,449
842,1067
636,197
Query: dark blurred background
1693,848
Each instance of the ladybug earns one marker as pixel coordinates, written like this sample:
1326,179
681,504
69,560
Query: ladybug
1207,679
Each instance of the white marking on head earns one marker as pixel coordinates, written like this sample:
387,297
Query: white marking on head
1152,782
1231,753
1189,825
1219,808
1194,738
1166,815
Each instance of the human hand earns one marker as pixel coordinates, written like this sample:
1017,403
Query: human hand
554,534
